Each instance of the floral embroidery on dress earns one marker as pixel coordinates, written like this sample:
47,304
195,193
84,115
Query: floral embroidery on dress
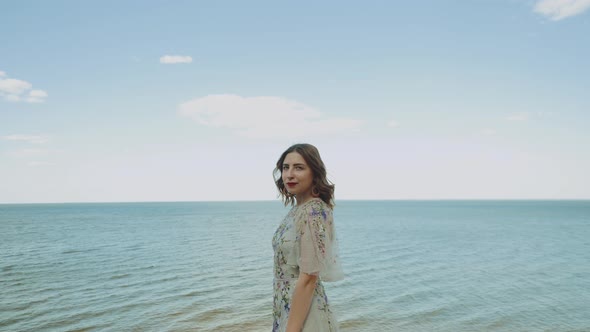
305,241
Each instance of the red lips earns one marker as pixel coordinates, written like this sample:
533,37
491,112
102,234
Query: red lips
291,184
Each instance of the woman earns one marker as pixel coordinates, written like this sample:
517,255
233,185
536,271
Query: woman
305,246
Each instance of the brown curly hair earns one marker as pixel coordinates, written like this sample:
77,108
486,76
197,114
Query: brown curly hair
320,182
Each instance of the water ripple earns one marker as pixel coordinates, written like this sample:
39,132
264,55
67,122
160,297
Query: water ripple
202,266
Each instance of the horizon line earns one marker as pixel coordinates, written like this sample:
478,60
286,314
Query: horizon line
267,200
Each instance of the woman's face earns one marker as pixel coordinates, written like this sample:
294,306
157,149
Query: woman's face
297,176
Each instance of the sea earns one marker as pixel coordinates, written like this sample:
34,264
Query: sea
449,265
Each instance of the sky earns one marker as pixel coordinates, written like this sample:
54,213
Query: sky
129,101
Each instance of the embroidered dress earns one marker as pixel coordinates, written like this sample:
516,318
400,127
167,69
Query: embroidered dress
305,241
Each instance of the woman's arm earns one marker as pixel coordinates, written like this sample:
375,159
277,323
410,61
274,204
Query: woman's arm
301,301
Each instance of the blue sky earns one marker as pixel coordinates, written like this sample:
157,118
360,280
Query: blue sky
194,100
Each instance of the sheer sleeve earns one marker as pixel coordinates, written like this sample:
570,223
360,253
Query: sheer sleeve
318,246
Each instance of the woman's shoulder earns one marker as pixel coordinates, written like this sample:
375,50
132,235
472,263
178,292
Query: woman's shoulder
313,207
315,203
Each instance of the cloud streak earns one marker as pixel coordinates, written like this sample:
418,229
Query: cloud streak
523,116
264,117
559,9
34,139
174,59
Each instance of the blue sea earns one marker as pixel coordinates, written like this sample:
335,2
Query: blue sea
207,266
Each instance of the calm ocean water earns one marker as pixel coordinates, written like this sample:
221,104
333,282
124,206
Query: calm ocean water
410,265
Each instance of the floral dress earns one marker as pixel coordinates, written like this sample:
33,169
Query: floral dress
306,242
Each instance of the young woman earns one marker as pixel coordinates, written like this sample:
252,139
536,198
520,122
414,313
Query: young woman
305,246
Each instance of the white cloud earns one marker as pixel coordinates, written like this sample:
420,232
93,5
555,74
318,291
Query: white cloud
27,153
13,86
263,117
171,59
392,124
523,116
32,154
560,9
38,94
14,90
34,139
